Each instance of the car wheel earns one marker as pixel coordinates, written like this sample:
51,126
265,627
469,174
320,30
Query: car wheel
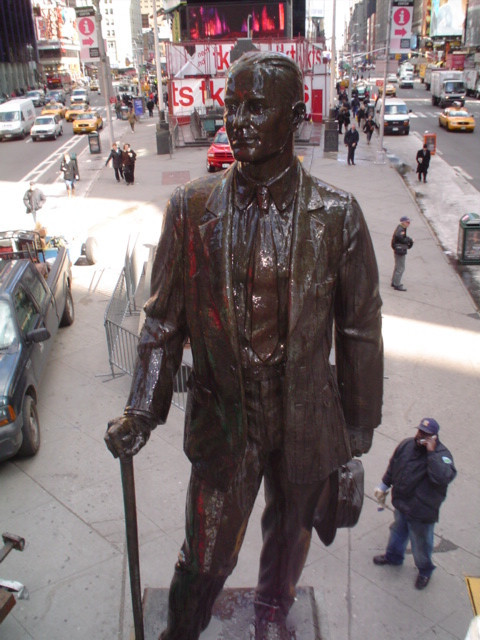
61,131
69,312
91,250
210,168
30,428
34,139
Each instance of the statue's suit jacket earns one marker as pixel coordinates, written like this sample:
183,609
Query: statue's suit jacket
333,281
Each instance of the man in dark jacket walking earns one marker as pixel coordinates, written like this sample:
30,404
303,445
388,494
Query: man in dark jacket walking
401,243
33,200
419,471
351,141
116,157
423,162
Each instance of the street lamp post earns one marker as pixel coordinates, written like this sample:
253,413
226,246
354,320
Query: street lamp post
105,75
381,151
161,102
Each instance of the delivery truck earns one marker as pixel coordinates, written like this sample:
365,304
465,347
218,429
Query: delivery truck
447,87
471,77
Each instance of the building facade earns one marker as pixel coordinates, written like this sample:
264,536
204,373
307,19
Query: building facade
18,47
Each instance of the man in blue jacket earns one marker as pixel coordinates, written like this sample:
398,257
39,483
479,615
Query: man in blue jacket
419,471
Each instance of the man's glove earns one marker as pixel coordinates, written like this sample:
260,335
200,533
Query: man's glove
126,435
380,496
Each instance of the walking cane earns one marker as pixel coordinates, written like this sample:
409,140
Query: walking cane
129,502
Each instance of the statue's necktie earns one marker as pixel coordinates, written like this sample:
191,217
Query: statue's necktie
264,309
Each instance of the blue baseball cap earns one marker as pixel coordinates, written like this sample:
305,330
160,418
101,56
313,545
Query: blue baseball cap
429,425
404,219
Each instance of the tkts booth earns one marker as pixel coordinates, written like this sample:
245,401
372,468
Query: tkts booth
196,75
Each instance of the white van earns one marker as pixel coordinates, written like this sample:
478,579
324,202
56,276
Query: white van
16,118
396,117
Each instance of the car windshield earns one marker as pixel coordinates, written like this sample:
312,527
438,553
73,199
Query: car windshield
221,138
458,114
450,87
7,326
393,109
45,120
88,116
33,94
9,116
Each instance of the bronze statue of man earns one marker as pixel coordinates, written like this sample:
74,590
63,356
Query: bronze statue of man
257,266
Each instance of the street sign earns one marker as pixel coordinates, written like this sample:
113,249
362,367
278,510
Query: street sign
81,12
401,26
87,31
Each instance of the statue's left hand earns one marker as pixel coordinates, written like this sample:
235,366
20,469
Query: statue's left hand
126,435
360,440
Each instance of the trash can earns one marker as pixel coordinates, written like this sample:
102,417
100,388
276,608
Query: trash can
94,142
430,139
124,112
330,138
162,138
468,247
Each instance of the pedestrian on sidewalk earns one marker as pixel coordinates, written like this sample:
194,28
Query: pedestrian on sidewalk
116,157
369,128
118,108
361,115
419,473
132,119
69,168
128,163
351,141
401,243
150,107
423,162
33,200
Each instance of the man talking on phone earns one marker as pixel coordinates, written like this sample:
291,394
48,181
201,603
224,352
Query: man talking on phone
419,473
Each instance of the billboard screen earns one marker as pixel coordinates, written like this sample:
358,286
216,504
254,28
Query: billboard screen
231,21
472,34
447,17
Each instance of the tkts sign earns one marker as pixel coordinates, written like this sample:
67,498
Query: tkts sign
401,26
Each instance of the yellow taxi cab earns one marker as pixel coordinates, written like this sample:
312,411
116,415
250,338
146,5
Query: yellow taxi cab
54,109
87,122
74,110
94,85
456,119
390,90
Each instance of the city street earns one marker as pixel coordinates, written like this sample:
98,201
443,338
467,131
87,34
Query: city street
456,148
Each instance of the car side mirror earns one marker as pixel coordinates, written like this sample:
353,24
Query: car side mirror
38,335
410,111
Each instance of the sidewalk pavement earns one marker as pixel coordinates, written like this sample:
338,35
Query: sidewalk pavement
67,500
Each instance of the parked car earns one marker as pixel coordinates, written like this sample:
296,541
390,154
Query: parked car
456,119
87,122
46,126
219,154
54,109
37,97
75,110
35,299
56,95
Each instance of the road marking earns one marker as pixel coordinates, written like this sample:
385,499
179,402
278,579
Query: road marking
49,161
463,173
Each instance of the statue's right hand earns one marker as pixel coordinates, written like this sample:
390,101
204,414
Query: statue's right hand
126,435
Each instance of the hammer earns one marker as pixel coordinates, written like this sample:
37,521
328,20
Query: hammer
11,541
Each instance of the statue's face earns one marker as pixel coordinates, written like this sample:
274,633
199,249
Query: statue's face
259,119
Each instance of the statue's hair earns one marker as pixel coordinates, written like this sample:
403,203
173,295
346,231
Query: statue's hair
282,66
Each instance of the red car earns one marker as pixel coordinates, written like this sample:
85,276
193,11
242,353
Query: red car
219,155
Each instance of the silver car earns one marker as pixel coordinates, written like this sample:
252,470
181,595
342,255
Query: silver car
47,126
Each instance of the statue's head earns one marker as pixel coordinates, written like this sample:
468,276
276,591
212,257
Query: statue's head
263,106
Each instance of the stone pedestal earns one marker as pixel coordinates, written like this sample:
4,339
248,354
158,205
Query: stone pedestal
233,615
